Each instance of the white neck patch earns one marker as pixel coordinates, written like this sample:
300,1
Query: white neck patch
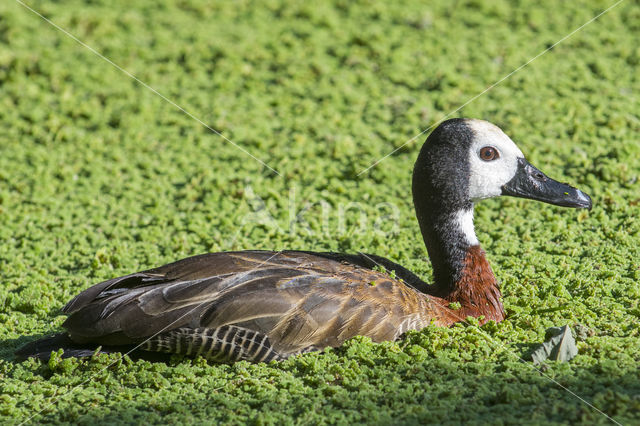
486,178
464,220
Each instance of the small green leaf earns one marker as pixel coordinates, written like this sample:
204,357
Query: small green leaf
455,305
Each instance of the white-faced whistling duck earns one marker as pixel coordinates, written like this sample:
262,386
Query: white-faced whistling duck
264,305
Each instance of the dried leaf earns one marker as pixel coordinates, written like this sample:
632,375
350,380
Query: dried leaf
558,346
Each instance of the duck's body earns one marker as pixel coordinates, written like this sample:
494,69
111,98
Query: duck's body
255,305
261,305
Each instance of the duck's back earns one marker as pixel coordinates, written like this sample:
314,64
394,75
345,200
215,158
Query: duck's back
254,305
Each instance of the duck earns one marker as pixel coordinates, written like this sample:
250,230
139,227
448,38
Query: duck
262,306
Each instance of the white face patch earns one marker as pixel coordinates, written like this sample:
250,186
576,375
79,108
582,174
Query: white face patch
464,220
487,177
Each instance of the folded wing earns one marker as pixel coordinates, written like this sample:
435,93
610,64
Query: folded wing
298,300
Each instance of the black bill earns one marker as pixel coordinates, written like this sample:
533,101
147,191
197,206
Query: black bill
531,183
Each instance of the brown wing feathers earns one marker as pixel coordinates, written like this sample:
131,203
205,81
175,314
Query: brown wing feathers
297,300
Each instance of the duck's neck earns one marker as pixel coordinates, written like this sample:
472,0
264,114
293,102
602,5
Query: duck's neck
461,271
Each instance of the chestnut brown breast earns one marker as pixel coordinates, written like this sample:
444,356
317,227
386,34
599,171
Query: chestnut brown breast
476,291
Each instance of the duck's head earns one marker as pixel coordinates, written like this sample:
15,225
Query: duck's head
466,160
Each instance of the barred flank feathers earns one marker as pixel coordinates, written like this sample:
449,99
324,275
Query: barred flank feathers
222,344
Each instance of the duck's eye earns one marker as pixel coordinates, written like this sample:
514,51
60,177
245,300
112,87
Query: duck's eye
489,153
